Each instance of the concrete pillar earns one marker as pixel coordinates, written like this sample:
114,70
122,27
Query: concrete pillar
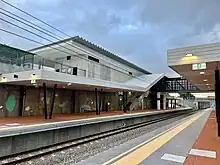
169,103
158,100
164,102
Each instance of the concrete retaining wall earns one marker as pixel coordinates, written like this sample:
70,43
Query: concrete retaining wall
20,142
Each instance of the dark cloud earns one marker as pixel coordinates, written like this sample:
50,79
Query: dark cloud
138,30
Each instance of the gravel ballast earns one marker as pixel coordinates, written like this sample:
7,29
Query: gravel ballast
76,154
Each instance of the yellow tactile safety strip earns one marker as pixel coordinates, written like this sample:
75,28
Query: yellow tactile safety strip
136,157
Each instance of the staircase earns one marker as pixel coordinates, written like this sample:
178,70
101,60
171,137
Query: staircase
137,100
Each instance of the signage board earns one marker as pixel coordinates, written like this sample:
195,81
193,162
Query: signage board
199,66
33,81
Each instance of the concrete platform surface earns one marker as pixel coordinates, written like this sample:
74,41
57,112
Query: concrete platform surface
206,149
158,147
22,125
176,150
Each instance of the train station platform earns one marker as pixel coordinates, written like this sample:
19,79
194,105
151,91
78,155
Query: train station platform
207,146
10,122
13,121
38,123
189,141
41,133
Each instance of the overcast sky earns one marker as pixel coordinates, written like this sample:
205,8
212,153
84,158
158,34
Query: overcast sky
140,31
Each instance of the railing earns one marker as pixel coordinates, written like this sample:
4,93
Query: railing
33,62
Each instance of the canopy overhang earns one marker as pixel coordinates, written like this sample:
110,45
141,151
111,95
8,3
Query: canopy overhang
197,64
63,80
38,77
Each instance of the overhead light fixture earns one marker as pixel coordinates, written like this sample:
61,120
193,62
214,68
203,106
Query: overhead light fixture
202,73
189,55
207,84
68,84
4,79
205,80
33,76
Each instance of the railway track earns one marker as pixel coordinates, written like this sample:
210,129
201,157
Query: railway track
37,153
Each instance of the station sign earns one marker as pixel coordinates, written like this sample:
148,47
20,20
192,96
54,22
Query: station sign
199,66
33,81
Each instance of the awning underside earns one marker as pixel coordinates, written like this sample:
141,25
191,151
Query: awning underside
140,84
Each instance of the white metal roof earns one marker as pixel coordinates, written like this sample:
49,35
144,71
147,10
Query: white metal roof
145,81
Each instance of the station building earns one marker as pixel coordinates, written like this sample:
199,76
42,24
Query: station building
73,76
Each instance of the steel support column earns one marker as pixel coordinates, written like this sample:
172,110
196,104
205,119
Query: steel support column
126,98
96,102
73,97
45,100
21,100
217,99
171,102
125,101
52,101
104,108
100,100
175,103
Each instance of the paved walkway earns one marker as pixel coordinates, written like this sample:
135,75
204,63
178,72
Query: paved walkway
209,143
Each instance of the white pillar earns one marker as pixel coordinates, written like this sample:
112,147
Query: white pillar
164,101
158,100
169,103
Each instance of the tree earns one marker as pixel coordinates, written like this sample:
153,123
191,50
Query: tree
187,95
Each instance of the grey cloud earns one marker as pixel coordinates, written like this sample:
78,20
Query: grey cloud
139,30
199,16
